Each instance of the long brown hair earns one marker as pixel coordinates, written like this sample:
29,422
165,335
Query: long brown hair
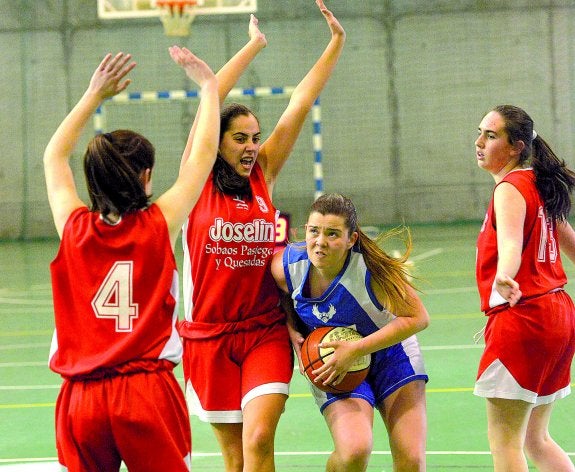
553,179
390,273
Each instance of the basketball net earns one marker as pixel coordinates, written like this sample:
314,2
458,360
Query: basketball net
177,16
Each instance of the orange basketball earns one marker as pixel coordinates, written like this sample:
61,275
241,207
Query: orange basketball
312,357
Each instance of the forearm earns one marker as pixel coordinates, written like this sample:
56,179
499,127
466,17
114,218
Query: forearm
66,137
509,258
208,114
393,333
566,239
230,73
313,83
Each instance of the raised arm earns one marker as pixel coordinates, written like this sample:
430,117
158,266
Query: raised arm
200,155
230,73
277,148
107,81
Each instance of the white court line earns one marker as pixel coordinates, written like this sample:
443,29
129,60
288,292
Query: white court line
427,254
453,347
440,291
46,464
29,387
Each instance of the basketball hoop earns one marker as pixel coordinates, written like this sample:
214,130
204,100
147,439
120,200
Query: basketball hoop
177,16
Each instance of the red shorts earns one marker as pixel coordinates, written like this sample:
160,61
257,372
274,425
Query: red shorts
224,373
528,350
139,418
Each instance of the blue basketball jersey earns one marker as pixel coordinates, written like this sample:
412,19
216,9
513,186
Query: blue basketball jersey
349,300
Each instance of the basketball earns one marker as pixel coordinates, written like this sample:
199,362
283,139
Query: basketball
313,356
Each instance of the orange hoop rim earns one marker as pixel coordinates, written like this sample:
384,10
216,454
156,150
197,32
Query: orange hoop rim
176,3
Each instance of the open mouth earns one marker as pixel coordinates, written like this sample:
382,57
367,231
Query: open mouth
247,162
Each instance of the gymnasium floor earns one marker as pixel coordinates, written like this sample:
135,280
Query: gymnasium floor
444,264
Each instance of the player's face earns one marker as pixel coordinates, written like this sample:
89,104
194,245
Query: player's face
493,151
240,144
328,241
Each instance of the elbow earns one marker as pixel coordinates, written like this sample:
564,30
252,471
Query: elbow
423,321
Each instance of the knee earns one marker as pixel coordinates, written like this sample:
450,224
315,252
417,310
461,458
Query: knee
413,461
353,458
535,444
260,441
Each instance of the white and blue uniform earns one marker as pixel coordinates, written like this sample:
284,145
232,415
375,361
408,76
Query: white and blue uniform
350,301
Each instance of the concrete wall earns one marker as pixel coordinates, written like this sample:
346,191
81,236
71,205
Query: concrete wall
399,116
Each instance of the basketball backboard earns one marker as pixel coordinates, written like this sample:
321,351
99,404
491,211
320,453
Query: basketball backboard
117,9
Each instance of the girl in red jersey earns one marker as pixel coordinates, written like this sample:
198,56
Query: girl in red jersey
115,284
237,354
530,332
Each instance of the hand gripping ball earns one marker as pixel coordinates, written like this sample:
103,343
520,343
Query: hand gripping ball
313,356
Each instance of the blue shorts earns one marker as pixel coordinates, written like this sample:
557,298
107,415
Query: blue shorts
391,368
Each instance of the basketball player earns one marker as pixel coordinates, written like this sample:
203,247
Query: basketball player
341,277
115,284
237,355
530,331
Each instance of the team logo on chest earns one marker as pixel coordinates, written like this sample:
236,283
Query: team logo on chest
262,204
323,316
240,204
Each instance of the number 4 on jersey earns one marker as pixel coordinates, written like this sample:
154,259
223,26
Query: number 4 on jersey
115,297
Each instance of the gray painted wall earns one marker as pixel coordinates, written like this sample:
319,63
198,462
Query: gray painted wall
399,116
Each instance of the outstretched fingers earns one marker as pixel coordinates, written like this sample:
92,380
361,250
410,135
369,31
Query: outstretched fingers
254,32
107,78
196,69
332,21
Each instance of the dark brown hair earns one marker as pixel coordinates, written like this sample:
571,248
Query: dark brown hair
225,178
113,166
554,180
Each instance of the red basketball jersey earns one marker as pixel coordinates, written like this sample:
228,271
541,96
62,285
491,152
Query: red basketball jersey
541,269
228,244
115,291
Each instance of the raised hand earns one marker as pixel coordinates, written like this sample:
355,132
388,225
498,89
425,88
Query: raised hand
108,78
254,32
333,23
196,69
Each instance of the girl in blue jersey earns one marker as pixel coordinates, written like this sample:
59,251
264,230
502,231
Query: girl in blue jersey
341,277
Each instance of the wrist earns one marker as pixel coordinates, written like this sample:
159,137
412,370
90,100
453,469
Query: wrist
259,42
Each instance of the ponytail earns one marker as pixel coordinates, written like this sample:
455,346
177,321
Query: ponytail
389,272
113,167
554,180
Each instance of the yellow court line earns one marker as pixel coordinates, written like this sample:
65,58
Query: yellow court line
26,405
44,332
292,395
461,316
